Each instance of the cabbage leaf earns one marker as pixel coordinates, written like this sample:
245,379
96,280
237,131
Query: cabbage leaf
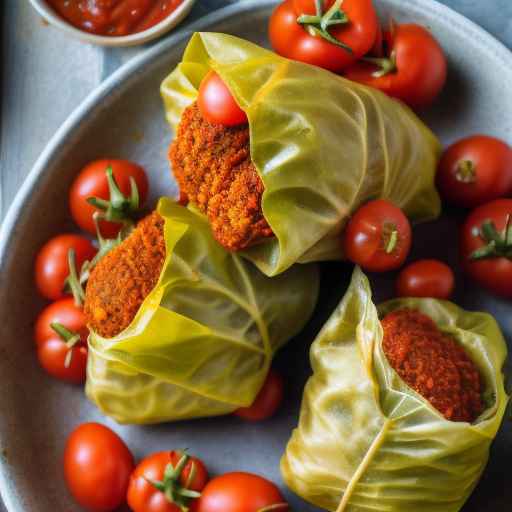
322,145
366,442
202,342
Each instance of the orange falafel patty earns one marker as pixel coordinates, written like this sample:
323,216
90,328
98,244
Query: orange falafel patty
433,364
212,165
124,277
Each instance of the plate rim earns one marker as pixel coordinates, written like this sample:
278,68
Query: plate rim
7,228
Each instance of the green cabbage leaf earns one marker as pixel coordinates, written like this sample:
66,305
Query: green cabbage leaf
366,442
203,340
322,145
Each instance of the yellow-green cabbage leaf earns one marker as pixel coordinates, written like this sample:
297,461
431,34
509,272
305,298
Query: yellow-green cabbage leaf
203,340
366,442
322,145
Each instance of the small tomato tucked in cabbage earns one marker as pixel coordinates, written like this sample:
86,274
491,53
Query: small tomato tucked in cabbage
322,145
202,342
366,441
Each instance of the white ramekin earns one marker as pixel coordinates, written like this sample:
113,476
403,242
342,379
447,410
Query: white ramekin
44,9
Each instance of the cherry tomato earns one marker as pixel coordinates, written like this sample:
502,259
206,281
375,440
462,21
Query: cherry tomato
97,467
268,400
52,354
217,104
295,40
486,246
426,278
51,266
92,182
144,496
65,312
475,170
240,492
378,237
414,70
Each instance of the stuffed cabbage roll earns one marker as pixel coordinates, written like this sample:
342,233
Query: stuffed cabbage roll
180,328
404,402
316,147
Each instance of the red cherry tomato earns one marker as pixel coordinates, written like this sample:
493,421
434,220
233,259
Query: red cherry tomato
92,182
378,237
486,246
51,266
268,400
97,467
475,170
240,492
295,41
217,104
414,71
143,496
52,354
65,312
426,278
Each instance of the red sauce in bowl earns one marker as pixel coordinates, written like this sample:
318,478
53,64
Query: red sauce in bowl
114,17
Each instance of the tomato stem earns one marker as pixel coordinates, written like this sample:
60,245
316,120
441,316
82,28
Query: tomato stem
73,281
319,8
498,244
386,65
192,474
170,485
466,171
392,241
65,334
69,337
319,25
119,207
105,246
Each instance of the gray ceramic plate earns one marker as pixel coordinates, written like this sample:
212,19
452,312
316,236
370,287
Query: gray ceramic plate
124,118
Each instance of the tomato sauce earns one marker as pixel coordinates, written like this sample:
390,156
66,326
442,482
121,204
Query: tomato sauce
114,17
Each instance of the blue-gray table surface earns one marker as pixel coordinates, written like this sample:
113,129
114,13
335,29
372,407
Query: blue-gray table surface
45,75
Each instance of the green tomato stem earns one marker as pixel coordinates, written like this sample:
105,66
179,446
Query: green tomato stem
334,16
497,244
191,474
65,334
319,8
386,65
308,19
392,241
119,207
156,484
171,487
73,281
318,25
173,473
69,337
105,246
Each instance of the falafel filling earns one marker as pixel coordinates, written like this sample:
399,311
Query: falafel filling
433,364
